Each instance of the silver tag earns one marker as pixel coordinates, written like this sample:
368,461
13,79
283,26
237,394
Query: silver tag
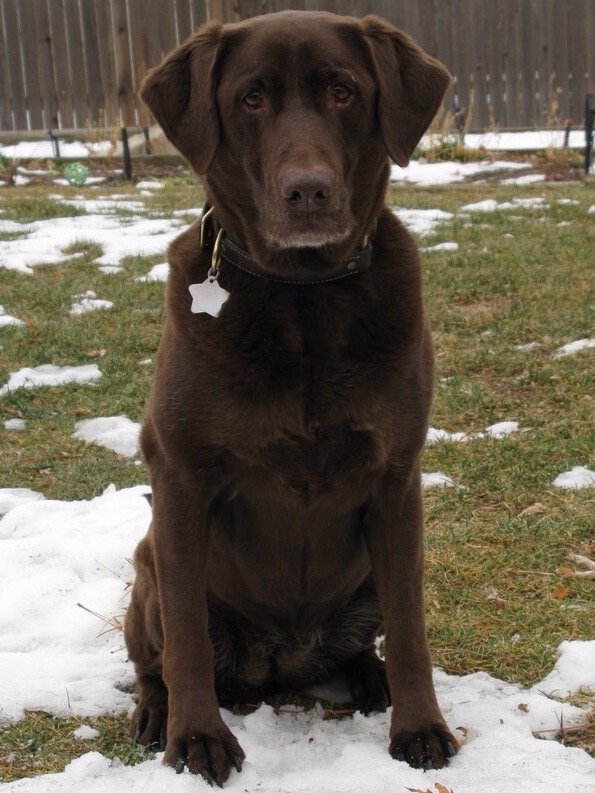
208,297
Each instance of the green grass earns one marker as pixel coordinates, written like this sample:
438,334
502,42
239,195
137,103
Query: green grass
42,744
495,601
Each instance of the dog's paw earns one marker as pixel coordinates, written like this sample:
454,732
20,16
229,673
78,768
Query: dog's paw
210,756
366,677
429,748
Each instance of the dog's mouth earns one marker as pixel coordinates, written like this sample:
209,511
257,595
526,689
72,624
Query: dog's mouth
306,232
282,227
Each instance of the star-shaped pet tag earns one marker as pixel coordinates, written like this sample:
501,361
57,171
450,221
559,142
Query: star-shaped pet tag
207,297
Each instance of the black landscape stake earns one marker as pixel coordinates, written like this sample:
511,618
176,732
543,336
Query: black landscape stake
55,144
126,155
589,121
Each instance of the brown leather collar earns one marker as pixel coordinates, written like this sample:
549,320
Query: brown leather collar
225,248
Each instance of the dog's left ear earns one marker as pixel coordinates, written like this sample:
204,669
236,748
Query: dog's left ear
411,85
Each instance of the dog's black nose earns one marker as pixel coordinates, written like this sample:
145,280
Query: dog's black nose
307,190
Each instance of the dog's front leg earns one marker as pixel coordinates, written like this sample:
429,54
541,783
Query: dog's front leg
196,734
394,533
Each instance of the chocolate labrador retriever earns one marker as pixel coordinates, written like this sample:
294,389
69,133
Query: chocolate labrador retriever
291,392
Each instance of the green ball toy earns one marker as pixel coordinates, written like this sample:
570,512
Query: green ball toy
76,173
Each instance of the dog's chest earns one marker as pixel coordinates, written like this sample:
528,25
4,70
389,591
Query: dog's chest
328,351
305,382
335,461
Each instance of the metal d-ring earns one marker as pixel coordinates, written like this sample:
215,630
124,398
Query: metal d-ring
205,216
213,273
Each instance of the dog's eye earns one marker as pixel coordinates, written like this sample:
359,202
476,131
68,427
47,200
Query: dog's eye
253,100
341,93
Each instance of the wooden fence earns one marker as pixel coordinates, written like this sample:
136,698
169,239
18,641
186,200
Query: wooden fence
68,64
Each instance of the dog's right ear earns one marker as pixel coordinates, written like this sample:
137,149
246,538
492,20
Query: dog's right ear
180,93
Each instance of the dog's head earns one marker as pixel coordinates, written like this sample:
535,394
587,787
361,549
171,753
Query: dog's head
290,119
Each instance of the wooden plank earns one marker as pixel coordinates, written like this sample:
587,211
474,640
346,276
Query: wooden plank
62,74
461,64
525,39
167,27
124,70
147,45
16,77
33,98
577,12
45,64
473,42
95,94
223,10
284,5
510,48
440,47
408,17
541,77
381,8
183,19
146,35
198,9
248,8
359,8
428,37
561,61
77,64
319,5
590,49
6,121
549,47
107,62
492,43
146,48
344,7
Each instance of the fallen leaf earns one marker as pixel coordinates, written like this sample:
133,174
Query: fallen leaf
12,411
565,571
561,592
582,574
582,561
534,509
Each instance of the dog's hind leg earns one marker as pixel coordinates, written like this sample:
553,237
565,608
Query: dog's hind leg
149,720
144,640
366,676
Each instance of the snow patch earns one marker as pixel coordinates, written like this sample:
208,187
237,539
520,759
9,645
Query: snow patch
89,302
577,478
49,375
117,433
574,346
159,272
6,319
